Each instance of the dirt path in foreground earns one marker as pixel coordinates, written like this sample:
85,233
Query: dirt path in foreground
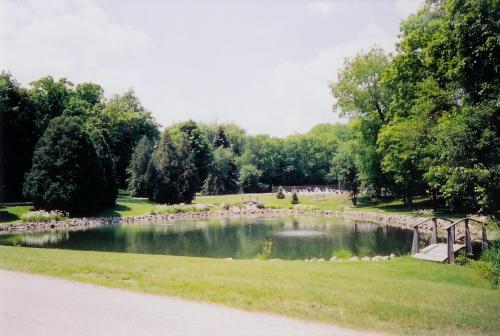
39,305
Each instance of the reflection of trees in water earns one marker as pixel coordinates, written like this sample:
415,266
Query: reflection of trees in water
237,238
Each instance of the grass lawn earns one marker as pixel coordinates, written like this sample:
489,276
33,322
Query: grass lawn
130,206
402,296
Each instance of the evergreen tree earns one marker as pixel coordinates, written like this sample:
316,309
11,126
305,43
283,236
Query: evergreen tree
223,174
200,148
138,168
66,173
164,172
110,185
220,139
249,178
188,180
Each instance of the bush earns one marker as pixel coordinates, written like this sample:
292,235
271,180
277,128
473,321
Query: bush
178,208
305,207
266,250
279,193
260,205
295,197
44,216
224,206
342,254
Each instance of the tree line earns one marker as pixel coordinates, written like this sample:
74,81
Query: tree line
426,120
68,147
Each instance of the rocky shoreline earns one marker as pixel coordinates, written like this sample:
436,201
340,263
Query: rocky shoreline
76,224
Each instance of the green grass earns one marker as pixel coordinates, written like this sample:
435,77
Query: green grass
130,206
402,296
11,214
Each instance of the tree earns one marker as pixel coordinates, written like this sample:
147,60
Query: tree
17,137
345,170
220,139
66,173
138,169
402,145
362,95
295,197
223,173
279,193
164,172
110,182
126,121
249,178
188,180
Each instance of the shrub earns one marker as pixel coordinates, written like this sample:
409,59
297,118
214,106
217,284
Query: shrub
266,250
260,205
295,197
279,193
224,206
44,216
342,254
305,207
178,208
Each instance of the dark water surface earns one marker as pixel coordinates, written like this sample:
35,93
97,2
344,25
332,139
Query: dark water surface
293,238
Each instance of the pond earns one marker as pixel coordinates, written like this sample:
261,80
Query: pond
292,238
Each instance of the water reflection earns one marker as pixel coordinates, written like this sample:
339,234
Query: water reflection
293,238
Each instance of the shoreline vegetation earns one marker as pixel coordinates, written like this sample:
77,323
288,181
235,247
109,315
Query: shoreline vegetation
172,214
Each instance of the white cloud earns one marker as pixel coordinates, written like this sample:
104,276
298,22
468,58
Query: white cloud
321,7
76,39
300,88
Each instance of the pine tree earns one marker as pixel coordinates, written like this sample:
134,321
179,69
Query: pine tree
220,139
188,179
164,172
110,185
67,173
138,169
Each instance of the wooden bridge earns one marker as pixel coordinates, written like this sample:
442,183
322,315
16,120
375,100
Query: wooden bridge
441,252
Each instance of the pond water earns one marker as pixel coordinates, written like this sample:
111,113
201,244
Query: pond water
293,238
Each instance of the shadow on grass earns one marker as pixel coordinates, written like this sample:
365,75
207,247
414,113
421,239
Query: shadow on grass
114,211
6,217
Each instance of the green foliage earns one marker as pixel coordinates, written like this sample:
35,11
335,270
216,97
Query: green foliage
220,139
223,173
342,254
110,182
138,169
44,216
178,208
345,170
67,173
266,250
126,122
279,193
294,198
249,178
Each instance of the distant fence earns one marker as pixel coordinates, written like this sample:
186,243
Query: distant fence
309,188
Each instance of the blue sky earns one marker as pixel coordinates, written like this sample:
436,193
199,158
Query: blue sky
264,65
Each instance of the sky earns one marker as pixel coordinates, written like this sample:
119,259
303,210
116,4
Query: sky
262,64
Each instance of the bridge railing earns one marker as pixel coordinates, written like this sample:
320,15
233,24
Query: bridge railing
451,235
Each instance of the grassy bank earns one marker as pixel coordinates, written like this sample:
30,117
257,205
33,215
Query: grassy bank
130,206
398,296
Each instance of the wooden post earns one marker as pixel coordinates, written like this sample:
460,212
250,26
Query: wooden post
485,240
451,253
453,234
434,231
468,242
414,245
